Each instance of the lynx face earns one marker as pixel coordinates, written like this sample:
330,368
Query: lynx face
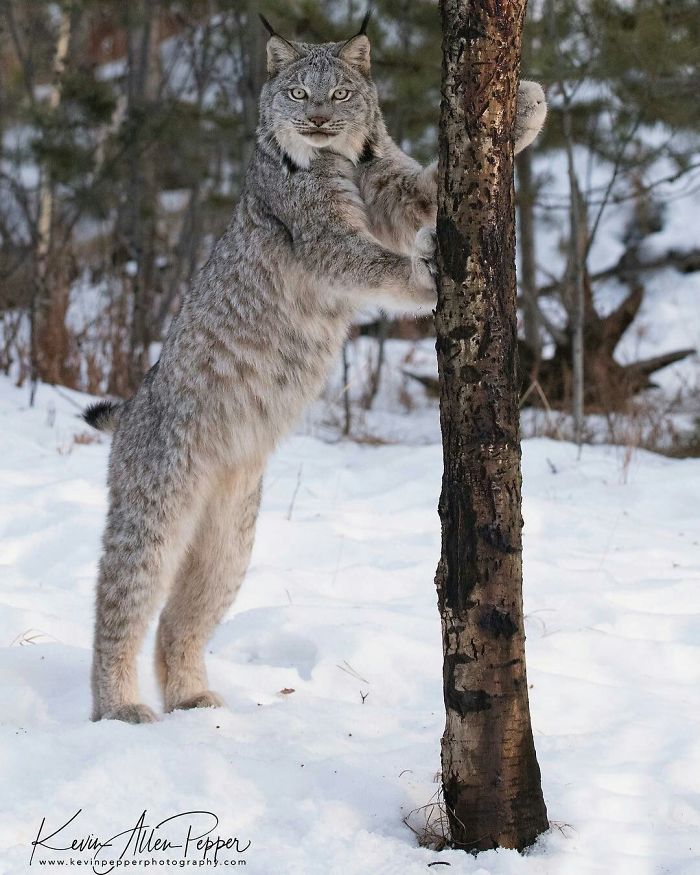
319,97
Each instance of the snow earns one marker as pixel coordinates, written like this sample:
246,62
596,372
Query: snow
339,603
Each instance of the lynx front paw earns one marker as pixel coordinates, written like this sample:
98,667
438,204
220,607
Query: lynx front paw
205,699
422,287
530,114
131,714
425,243
424,270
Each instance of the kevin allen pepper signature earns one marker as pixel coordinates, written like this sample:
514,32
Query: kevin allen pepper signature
185,836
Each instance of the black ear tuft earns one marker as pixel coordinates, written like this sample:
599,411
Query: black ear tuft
280,51
266,24
365,22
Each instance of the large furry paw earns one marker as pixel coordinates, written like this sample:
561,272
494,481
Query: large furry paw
425,246
530,114
422,285
424,272
205,699
131,714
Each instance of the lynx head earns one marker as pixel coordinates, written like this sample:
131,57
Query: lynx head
319,97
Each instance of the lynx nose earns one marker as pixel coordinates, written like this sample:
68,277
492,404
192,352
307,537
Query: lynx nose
319,120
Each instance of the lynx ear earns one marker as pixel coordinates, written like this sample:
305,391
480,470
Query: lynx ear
356,52
279,54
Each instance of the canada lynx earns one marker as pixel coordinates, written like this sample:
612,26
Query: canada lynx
333,216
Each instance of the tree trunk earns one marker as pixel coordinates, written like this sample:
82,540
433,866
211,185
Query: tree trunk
253,50
49,301
578,245
528,270
137,219
528,260
491,778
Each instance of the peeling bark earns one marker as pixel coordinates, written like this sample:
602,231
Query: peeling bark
491,779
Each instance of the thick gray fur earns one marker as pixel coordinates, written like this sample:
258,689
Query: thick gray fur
333,217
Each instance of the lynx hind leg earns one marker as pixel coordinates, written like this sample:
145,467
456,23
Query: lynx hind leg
207,582
530,114
144,542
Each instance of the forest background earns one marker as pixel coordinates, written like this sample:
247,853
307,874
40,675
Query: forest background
125,130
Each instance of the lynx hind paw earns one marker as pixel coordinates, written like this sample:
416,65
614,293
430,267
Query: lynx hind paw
531,113
205,699
532,103
132,714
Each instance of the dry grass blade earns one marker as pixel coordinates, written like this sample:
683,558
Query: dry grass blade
429,823
31,636
348,669
562,827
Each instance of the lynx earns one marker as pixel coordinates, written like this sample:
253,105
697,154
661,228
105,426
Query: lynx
333,217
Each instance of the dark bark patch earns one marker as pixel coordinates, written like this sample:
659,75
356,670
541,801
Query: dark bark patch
470,32
467,701
470,374
459,546
497,623
453,249
498,539
462,332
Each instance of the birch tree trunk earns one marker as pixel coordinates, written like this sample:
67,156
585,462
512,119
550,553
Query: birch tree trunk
46,309
491,778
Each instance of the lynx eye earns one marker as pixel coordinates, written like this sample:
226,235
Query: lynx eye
341,94
297,93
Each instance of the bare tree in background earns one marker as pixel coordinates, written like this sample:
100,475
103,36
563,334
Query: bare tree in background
45,353
491,779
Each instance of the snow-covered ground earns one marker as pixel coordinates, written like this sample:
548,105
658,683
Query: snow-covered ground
339,604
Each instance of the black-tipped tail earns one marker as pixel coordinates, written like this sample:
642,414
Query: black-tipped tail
102,415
